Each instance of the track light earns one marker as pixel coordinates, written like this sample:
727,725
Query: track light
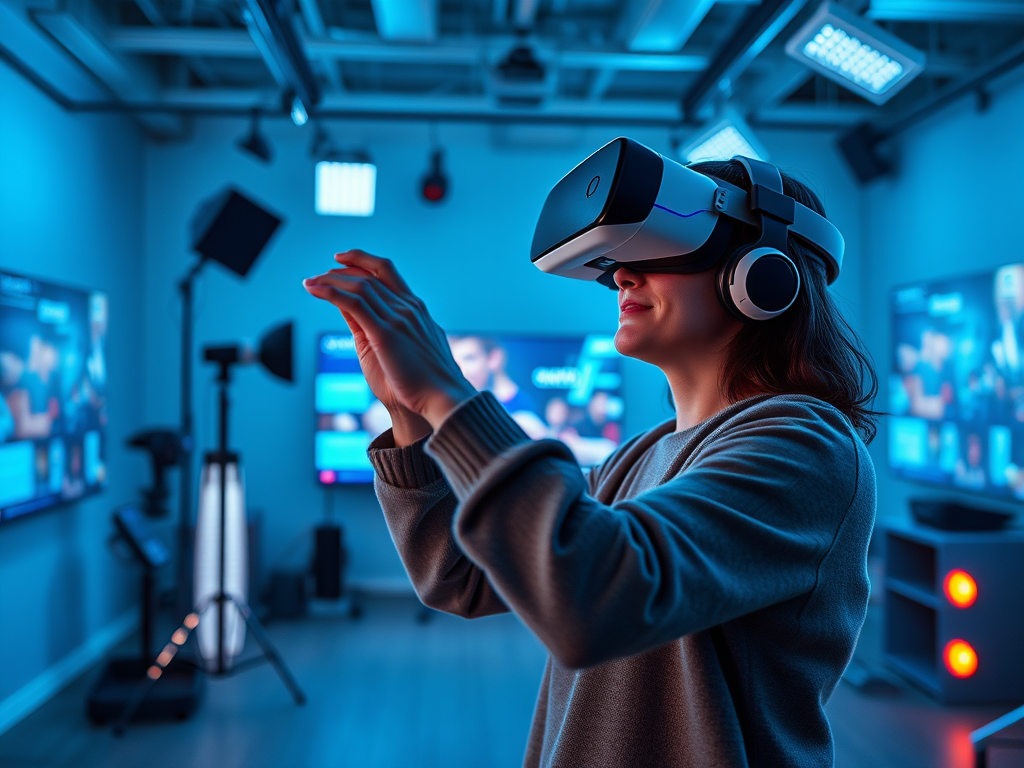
256,143
435,183
728,137
856,53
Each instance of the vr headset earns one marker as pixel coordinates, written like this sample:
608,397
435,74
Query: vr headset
628,206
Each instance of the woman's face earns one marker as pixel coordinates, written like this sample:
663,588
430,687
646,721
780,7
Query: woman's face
664,319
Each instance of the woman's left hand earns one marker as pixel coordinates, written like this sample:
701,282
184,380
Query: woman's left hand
410,348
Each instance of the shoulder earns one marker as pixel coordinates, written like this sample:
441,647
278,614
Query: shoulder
795,436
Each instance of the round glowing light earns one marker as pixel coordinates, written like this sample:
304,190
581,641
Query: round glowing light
960,588
961,659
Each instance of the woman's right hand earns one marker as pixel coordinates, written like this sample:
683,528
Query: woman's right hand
407,426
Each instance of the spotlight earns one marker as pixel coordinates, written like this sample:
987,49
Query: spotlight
730,136
435,182
856,53
520,65
256,143
960,658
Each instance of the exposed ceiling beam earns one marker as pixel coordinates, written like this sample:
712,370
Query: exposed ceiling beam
976,11
314,22
759,27
406,20
127,79
660,25
30,48
237,44
665,111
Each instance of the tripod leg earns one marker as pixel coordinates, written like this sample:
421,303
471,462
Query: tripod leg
156,669
269,650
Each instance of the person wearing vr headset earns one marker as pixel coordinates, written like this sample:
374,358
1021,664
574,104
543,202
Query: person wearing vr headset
702,590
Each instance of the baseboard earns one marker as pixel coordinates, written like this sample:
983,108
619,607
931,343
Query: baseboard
34,694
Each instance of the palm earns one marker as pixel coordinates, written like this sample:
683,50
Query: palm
372,370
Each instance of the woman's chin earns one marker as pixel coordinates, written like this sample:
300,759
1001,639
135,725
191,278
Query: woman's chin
628,343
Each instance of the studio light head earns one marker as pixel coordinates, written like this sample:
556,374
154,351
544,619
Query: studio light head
274,353
435,182
255,143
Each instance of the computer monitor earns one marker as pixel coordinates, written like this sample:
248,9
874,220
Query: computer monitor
956,387
568,388
53,394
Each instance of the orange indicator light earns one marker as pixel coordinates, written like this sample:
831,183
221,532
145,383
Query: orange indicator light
960,588
961,659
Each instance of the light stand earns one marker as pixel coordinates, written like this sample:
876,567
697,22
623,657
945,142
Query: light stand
275,355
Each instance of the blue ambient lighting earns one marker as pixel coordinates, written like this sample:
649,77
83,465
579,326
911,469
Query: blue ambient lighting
345,189
848,57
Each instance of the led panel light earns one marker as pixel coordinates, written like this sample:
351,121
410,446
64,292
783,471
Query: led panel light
345,189
729,137
856,53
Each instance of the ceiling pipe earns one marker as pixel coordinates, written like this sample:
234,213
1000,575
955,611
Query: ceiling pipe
759,27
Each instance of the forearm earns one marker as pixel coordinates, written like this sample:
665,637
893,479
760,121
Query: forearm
418,507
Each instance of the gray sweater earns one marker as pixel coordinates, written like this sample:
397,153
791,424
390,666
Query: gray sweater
700,592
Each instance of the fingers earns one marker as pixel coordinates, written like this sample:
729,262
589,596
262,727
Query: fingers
376,295
351,305
383,269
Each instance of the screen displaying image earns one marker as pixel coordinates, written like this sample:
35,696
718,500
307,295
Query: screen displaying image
53,394
956,391
568,388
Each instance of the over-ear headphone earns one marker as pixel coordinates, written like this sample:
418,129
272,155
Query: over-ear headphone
760,281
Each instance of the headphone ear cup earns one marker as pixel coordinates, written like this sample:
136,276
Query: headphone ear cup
758,283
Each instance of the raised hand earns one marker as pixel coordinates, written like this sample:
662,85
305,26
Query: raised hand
404,354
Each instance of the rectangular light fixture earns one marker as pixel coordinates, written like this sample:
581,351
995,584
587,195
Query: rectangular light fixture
856,53
729,137
345,189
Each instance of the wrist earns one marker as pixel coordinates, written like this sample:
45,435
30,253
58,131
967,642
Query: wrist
408,427
441,404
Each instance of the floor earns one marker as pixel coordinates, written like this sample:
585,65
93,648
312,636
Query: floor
387,691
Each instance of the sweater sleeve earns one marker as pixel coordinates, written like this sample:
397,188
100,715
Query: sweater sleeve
419,506
745,525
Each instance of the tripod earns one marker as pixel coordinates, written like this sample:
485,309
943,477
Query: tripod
222,458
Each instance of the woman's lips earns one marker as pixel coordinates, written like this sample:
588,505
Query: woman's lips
632,307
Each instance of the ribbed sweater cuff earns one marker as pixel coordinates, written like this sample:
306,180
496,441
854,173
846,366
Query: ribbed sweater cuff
472,435
407,467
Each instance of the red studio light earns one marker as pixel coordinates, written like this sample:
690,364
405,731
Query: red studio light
960,658
960,588
435,183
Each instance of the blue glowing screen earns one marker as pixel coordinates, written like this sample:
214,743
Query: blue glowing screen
53,394
568,388
956,390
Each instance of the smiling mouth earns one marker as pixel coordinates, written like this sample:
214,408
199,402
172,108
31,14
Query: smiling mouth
631,307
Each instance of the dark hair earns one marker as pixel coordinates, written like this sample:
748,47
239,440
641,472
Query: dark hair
809,349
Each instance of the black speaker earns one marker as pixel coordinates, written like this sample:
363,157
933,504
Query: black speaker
860,148
328,561
231,229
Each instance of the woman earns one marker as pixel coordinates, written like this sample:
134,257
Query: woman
702,590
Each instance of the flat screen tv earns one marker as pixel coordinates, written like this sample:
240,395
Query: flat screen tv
569,388
53,394
956,388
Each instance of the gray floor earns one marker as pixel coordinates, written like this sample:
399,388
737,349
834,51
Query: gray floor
386,691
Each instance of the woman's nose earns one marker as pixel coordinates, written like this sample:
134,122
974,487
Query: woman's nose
627,278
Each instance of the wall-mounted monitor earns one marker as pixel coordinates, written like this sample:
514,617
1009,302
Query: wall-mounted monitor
53,394
956,388
569,388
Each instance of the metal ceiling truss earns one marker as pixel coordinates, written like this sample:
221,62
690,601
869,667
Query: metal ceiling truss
691,57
